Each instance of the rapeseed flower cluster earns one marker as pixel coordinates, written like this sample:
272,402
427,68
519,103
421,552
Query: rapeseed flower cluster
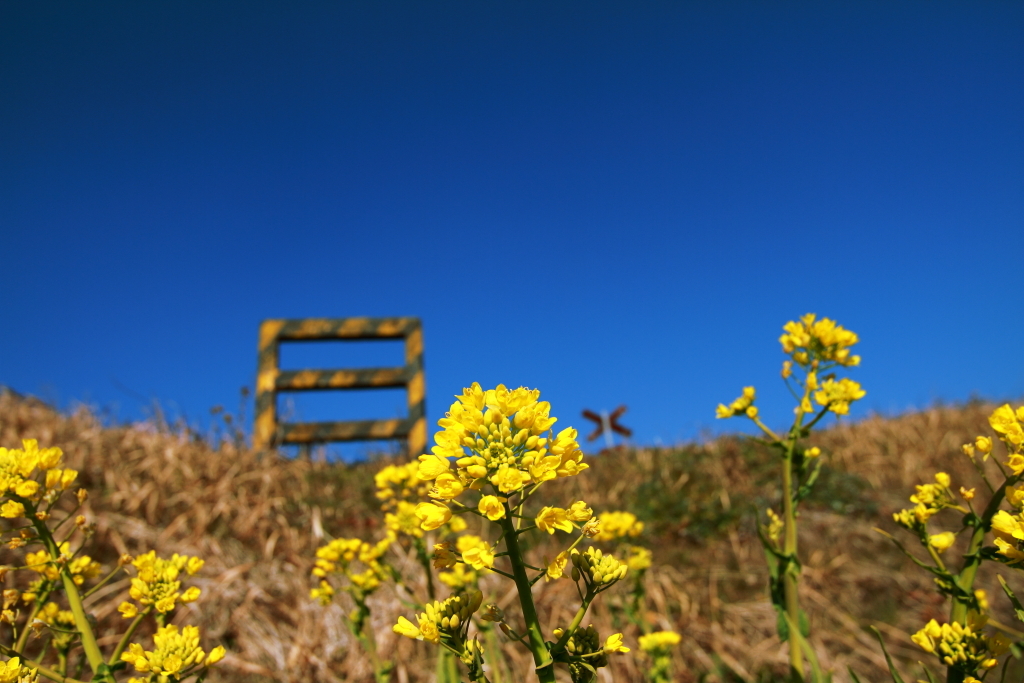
445,622
32,481
817,349
929,499
597,569
176,655
586,652
500,445
810,339
499,437
18,466
962,647
614,525
340,557
658,647
156,584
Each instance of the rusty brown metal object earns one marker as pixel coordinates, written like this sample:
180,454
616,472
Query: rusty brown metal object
270,380
612,423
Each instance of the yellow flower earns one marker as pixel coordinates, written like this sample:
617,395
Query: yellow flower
174,654
12,671
839,395
128,610
614,644
323,594
216,654
403,520
551,518
12,510
942,542
443,556
1004,421
811,339
509,479
431,466
579,512
432,515
450,617
639,559
618,525
737,407
659,641
491,507
556,568
447,486
984,445
476,552
157,581
460,577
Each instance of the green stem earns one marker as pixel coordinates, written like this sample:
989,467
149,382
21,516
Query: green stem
46,672
89,644
126,638
790,578
576,621
424,558
972,560
541,657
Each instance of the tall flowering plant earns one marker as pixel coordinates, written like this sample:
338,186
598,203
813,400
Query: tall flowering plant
496,448
971,643
50,634
818,351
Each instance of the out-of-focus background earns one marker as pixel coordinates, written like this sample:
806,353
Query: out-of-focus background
616,203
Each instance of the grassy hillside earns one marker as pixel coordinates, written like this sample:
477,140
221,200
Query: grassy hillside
257,522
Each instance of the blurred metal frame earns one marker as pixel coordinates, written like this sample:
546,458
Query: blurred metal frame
270,380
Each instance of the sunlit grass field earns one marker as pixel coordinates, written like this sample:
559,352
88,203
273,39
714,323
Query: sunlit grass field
258,521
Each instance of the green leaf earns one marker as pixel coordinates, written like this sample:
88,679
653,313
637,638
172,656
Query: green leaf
928,673
781,624
888,660
853,675
805,624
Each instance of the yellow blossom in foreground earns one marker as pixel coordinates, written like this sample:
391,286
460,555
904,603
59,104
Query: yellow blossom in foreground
579,512
432,515
659,641
614,643
960,647
491,507
1006,423
476,552
942,542
12,510
556,568
501,436
12,671
175,653
448,618
551,518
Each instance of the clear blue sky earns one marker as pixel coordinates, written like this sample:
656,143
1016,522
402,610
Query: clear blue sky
613,202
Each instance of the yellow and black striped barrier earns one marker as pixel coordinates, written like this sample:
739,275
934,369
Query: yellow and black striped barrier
270,379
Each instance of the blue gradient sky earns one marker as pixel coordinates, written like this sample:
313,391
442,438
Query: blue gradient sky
613,202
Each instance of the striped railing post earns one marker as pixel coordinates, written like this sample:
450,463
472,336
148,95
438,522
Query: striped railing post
271,380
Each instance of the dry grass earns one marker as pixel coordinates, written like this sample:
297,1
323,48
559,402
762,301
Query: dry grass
258,520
